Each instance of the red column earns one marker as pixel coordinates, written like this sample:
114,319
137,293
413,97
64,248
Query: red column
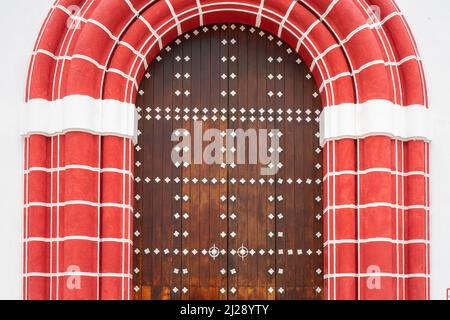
78,207
376,219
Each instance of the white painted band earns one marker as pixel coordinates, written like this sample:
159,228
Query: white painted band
79,113
375,117
111,117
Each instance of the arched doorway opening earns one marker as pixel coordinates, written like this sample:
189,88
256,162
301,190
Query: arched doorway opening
223,224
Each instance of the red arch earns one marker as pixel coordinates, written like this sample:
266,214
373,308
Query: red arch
385,59
356,57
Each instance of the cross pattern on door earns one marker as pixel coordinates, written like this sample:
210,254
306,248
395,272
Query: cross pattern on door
224,231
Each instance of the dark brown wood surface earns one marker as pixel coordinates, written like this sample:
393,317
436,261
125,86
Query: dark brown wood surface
225,231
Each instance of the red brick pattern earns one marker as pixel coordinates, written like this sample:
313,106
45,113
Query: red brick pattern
78,216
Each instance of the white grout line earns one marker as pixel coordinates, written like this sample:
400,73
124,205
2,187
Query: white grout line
358,213
315,23
378,274
334,221
82,274
63,51
77,202
387,47
99,213
88,59
147,24
104,28
123,218
135,52
397,222
175,16
27,152
200,12
375,170
366,66
130,220
376,240
403,218
374,205
80,167
76,238
328,219
285,18
427,221
50,205
58,150
259,15
344,49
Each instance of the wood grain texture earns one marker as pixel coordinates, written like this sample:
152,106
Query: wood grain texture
225,231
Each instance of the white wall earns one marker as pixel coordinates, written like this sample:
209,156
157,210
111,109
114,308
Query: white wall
20,21
429,22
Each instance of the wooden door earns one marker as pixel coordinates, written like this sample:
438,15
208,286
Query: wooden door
230,229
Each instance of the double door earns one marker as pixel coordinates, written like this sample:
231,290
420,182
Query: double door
228,171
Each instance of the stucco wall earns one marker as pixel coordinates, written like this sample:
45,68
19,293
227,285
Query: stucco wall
429,21
20,21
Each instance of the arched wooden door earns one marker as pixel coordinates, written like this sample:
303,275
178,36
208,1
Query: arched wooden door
228,230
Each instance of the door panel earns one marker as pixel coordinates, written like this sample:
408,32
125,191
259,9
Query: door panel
226,230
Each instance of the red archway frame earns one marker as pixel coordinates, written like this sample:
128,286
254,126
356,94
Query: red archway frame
84,77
